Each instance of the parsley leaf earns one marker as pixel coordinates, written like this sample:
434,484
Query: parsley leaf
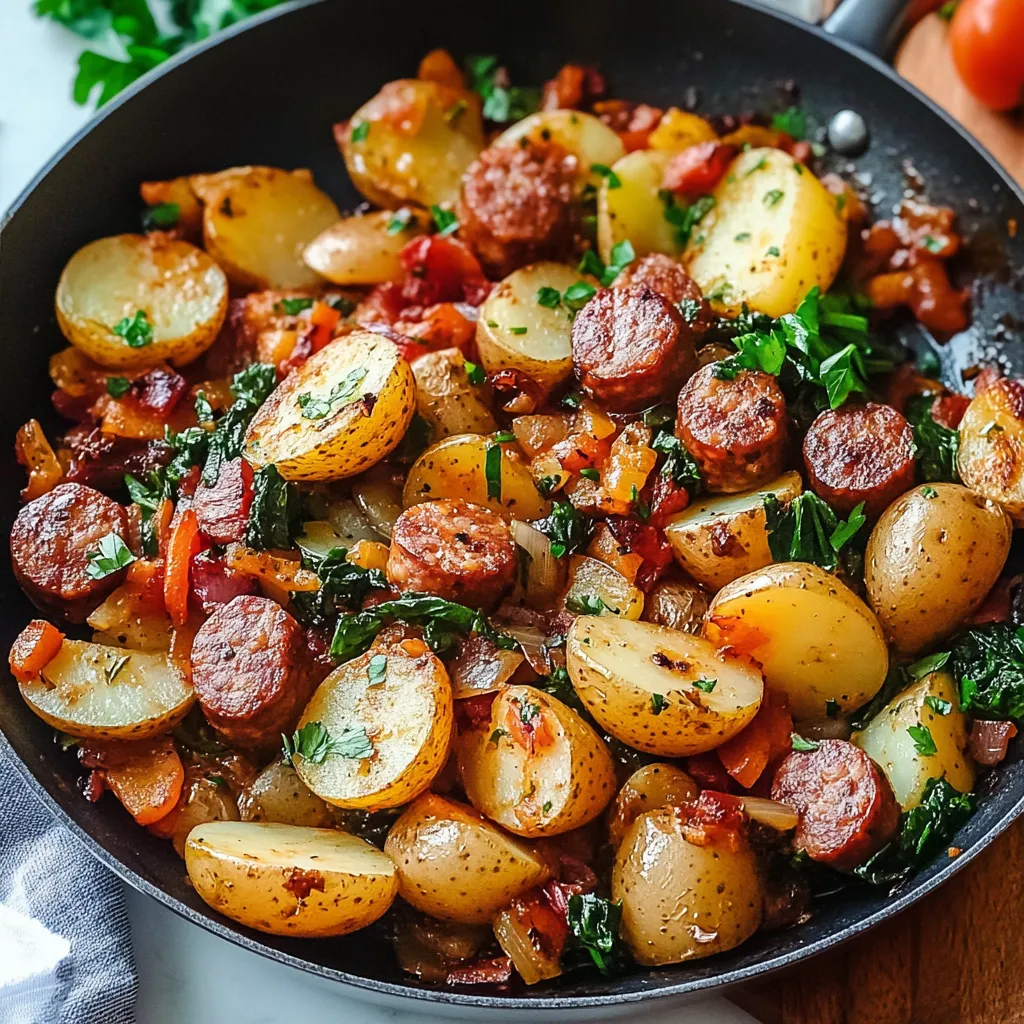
117,386
988,664
938,705
162,215
548,297
621,256
658,703
679,465
936,446
377,669
360,132
293,307
792,121
111,556
684,218
344,580
492,470
400,220
586,604
801,745
446,221
925,666
924,744
315,744
608,174
568,529
501,103
808,530
273,513
136,329
594,923
707,685
577,295
474,373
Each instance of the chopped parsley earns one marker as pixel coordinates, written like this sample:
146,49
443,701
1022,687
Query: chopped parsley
808,530
621,256
315,744
608,174
517,330
377,669
568,529
594,924
707,685
922,737
988,665
111,556
658,703
492,470
360,131
936,446
589,473
548,297
801,745
684,218
136,329
316,407
117,386
162,216
792,121
400,220
501,103
773,197
445,220
938,705
273,513
474,373
925,666
679,465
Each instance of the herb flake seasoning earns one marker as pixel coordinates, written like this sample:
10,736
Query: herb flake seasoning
492,470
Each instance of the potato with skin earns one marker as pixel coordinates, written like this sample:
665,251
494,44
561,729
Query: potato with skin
815,639
453,864
538,768
681,901
309,883
445,397
514,331
593,580
634,211
886,741
108,283
648,789
278,795
771,237
400,696
991,455
640,681
931,559
456,467
342,411
108,693
718,539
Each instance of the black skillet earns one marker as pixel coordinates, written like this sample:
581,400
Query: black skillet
268,94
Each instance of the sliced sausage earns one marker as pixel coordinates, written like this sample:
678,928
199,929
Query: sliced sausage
251,673
454,549
222,508
735,429
847,808
51,540
666,276
516,205
860,453
631,348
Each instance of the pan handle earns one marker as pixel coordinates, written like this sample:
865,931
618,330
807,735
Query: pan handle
874,25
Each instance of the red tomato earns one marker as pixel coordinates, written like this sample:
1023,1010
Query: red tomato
985,38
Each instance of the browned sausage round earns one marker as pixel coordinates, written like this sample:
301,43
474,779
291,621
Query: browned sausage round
453,549
516,205
222,508
735,429
860,453
631,348
251,673
666,276
847,808
51,541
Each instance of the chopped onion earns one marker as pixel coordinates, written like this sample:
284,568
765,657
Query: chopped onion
824,729
545,574
380,501
280,573
533,642
349,522
513,936
482,667
770,813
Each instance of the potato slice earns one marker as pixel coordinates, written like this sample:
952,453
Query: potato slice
412,143
108,693
343,410
887,742
815,639
128,619
309,883
718,539
446,399
772,235
278,795
537,769
403,701
633,210
108,283
515,331
257,221
648,789
454,864
457,468
639,681
594,584
681,901
365,249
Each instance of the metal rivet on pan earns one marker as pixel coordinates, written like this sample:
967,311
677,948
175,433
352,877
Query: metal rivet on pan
848,133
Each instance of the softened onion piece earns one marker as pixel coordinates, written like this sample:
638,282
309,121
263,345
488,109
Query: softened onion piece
545,574
770,813
481,666
513,936
532,640
380,501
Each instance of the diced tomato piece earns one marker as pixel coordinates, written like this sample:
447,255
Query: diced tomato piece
441,270
528,726
699,168
214,583
948,410
439,326
33,649
667,498
708,772
475,710
157,391
222,508
324,319
580,451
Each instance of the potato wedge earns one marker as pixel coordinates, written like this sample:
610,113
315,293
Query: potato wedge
446,399
403,702
537,768
931,559
412,143
681,901
515,331
278,795
456,467
679,129
454,864
593,584
257,221
634,209
105,286
648,789
364,249
886,740
309,883
815,639
718,539
772,236
127,619
639,681
343,410
107,693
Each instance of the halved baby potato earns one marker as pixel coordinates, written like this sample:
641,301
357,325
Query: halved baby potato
815,639
537,768
648,789
128,618
633,209
309,883
657,689
593,582
365,249
515,331
340,412
279,796
412,143
446,398
456,467
454,864
773,235
108,693
257,221
403,703
132,301
718,539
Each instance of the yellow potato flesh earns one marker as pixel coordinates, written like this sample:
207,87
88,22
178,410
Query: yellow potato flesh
991,455
633,210
445,397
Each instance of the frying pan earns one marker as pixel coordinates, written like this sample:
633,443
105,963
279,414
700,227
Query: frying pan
268,94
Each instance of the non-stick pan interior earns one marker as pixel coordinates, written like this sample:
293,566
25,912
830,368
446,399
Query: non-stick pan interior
269,95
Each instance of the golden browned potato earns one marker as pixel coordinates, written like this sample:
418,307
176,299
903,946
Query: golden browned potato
634,210
132,301
679,129
445,397
343,410
454,864
128,619
659,690
594,584
931,559
648,789
678,603
310,883
278,795
537,768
